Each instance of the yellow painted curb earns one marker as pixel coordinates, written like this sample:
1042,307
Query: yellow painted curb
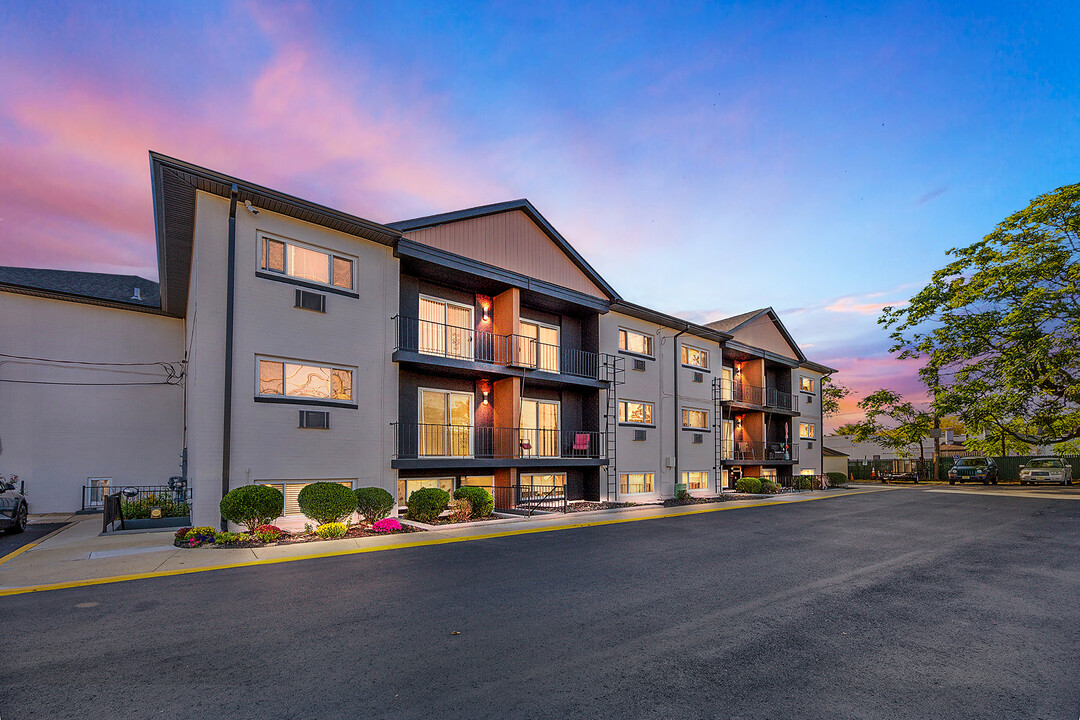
356,551
29,546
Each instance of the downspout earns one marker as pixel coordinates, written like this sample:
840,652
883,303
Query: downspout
677,362
226,427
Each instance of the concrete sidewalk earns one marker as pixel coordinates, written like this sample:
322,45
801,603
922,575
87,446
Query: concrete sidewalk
79,555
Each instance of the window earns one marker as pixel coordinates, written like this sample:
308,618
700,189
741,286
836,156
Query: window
727,439
806,384
541,485
635,342
445,428
306,263
539,428
806,431
408,486
539,346
632,483
695,418
695,356
808,472
725,383
631,411
445,329
291,491
290,379
698,480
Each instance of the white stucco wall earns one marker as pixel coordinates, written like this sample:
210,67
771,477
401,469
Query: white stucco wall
809,413
56,436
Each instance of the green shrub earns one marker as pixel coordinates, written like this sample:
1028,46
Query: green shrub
681,492
331,530
222,538
480,499
252,505
326,502
837,479
460,510
804,482
373,503
751,485
426,504
768,487
139,508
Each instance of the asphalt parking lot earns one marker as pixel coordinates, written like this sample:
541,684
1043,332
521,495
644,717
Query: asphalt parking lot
904,603
10,542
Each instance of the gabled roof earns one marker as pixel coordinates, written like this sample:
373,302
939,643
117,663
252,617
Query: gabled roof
736,322
174,183
524,206
829,452
649,315
76,285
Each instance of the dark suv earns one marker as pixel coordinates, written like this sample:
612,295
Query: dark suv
970,469
13,508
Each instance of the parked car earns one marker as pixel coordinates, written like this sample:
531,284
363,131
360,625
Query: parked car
14,509
974,468
1046,469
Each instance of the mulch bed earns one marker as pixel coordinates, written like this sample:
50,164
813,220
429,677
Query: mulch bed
590,505
448,521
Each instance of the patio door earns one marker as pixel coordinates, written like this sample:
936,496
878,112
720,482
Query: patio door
539,428
725,383
445,423
727,439
446,329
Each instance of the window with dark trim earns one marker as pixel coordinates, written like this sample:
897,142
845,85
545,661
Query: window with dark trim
305,262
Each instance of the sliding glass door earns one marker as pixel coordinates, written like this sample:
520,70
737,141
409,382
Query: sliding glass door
445,424
446,329
539,428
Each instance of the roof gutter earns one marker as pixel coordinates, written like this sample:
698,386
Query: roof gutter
230,296
676,360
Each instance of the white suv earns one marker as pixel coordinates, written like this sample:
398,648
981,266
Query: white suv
1046,469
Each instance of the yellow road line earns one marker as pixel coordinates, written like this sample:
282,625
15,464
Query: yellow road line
419,543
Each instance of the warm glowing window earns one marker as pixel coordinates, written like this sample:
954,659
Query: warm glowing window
445,423
292,379
806,384
698,480
695,356
411,485
306,263
808,472
631,411
806,431
630,483
541,485
635,342
539,428
539,346
695,419
445,329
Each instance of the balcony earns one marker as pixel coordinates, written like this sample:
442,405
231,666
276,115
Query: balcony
439,341
753,452
429,445
746,394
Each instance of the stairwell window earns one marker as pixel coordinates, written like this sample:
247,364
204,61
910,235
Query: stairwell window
697,419
635,342
806,384
806,431
282,378
632,412
305,262
696,480
635,483
695,357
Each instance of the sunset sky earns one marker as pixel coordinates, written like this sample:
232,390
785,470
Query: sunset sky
706,160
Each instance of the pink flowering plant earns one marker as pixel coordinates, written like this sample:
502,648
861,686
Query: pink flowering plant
386,525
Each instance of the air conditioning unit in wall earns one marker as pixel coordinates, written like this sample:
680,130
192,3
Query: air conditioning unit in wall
639,435
698,439
669,462
639,365
699,377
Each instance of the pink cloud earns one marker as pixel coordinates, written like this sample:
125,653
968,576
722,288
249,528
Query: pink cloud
852,304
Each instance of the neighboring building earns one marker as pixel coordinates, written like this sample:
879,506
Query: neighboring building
834,461
469,348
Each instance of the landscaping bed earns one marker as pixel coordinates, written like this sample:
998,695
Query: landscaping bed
447,520
589,505
208,537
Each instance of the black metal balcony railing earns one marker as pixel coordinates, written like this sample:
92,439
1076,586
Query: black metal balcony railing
745,393
460,343
528,499
758,451
427,440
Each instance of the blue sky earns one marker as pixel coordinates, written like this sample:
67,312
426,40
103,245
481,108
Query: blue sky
819,158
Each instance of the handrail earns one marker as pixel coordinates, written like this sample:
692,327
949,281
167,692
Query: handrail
743,392
440,440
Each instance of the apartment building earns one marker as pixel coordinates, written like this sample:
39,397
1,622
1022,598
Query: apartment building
299,343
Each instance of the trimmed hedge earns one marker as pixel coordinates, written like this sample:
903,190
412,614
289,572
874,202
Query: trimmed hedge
373,503
751,485
803,482
426,504
252,505
480,499
768,487
326,502
837,478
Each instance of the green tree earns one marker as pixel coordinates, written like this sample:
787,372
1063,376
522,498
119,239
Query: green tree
831,395
847,429
995,442
999,326
893,423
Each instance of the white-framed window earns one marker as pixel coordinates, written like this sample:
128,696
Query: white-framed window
768,473
635,483
806,384
291,490
539,345
725,383
695,357
635,342
532,485
407,486
445,328
806,431
306,262
696,480
445,428
539,428
697,419
299,379
808,471
634,412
